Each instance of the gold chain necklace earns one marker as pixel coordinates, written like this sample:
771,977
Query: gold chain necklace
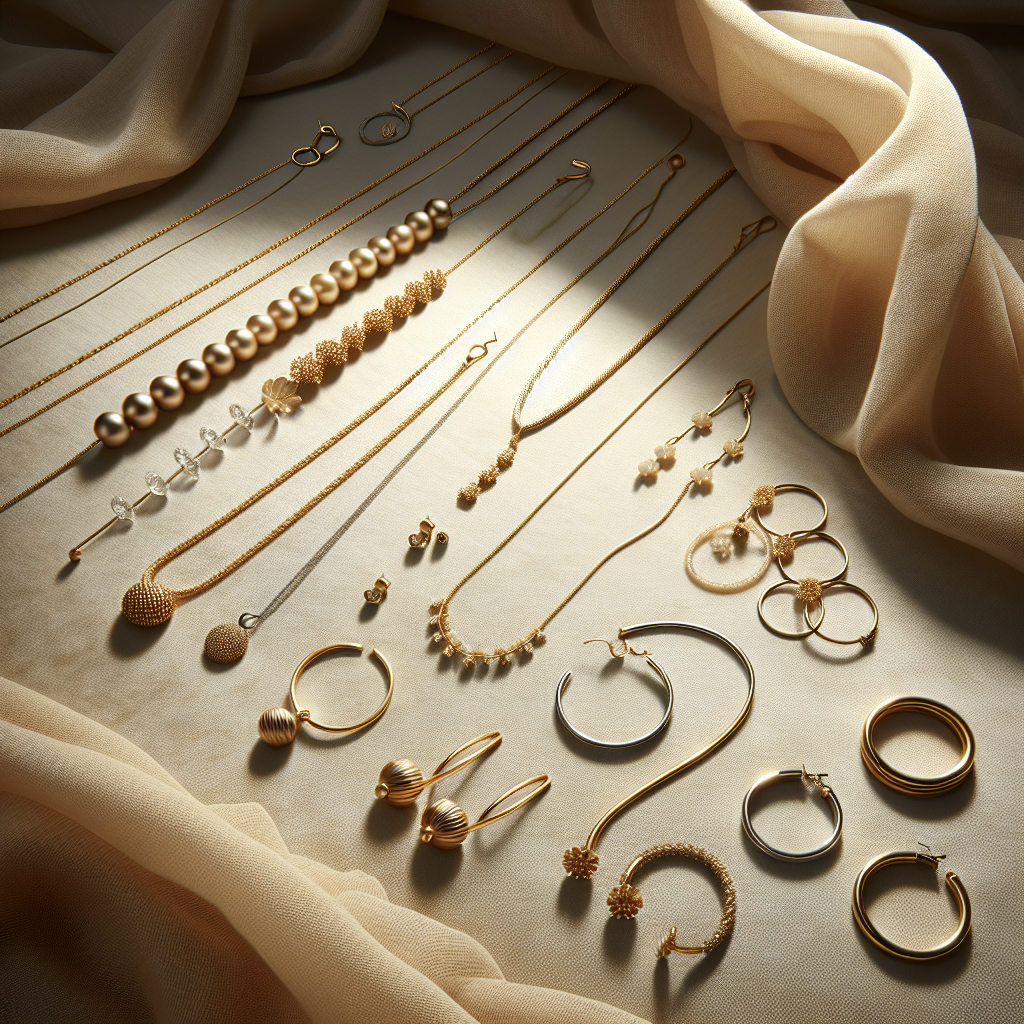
488,477
445,636
148,603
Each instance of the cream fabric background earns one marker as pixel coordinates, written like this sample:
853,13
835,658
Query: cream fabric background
950,628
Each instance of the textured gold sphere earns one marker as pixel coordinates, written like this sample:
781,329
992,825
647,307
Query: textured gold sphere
283,313
243,344
439,212
402,238
219,358
194,376
364,261
400,783
421,224
167,392
382,247
140,410
278,727
345,273
148,603
326,288
263,327
112,429
304,299
226,642
444,824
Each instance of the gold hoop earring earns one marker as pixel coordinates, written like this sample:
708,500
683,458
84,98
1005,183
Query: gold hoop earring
445,824
401,782
378,591
422,539
625,901
914,785
860,914
279,726
763,500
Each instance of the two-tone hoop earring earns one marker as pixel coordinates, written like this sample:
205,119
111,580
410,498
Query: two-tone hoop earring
620,744
401,782
625,901
445,824
813,781
860,914
279,726
915,785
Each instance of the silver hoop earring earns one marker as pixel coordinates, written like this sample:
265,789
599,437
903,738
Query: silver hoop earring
825,792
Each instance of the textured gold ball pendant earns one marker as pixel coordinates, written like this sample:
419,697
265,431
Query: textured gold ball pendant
444,824
226,642
278,727
400,783
148,603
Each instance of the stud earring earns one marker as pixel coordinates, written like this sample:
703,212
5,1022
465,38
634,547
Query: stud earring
442,537
378,592
445,824
422,539
401,782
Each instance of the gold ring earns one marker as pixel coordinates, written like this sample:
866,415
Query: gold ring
782,632
865,638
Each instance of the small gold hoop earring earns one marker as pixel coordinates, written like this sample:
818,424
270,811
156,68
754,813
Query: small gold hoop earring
625,901
807,588
915,785
860,914
401,782
763,500
378,591
445,824
279,726
422,539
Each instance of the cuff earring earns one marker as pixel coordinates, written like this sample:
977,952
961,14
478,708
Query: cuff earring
401,782
812,781
378,591
279,726
931,860
621,652
445,824
915,785
422,538
625,901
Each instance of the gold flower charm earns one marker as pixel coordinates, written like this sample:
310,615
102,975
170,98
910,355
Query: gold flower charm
741,531
279,396
666,946
763,497
809,591
625,901
580,862
784,547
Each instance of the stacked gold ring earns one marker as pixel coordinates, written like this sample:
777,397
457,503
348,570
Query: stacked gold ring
914,785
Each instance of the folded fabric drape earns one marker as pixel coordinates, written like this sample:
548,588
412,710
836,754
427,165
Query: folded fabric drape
126,898
896,318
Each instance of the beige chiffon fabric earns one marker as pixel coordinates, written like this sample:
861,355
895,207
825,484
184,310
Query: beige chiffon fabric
127,899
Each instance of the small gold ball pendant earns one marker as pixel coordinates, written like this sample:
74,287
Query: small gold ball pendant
148,603
444,824
226,642
400,783
278,727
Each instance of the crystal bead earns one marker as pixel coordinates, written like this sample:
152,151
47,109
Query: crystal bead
156,483
433,620
241,417
702,420
435,605
721,544
122,509
527,648
665,452
649,467
211,438
187,463
700,475
733,449
468,661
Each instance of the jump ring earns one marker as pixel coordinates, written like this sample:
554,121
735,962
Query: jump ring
782,632
865,638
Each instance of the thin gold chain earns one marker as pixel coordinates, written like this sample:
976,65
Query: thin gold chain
455,646
455,67
252,259
455,88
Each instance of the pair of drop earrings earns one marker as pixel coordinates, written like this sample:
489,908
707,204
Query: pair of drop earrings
444,823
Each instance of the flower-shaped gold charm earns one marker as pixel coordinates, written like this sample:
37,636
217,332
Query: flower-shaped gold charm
809,591
579,862
784,547
279,396
763,497
625,901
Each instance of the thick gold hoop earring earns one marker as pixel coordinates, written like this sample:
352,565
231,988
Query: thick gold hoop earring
279,726
914,785
445,824
401,782
860,914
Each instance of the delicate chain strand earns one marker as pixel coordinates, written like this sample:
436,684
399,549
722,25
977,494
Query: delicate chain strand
456,88
52,475
434,81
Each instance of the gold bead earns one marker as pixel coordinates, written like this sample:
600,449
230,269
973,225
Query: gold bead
167,392
140,410
444,824
439,212
435,280
194,376
307,369
278,727
283,313
148,603
353,337
402,238
243,344
219,358
112,429
364,261
383,248
226,642
345,274
418,291
263,327
331,353
677,161
304,299
399,306
400,783
470,492
326,288
377,321
421,224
